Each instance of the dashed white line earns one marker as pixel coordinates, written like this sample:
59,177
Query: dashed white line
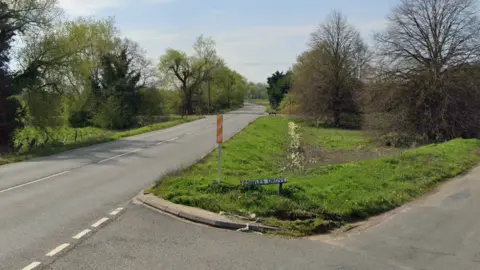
31,266
98,223
121,155
169,140
81,234
57,249
32,182
116,211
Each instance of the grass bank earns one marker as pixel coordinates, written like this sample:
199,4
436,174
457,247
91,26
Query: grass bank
67,138
346,176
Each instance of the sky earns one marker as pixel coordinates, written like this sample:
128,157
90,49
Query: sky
255,37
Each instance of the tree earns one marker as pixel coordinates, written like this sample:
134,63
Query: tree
431,53
190,72
327,77
56,69
257,91
116,90
278,85
16,18
152,104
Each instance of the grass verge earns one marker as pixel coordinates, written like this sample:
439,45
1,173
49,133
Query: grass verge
321,197
65,138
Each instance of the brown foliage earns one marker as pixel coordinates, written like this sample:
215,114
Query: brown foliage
327,76
429,86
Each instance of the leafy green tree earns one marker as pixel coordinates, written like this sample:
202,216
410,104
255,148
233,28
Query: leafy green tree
152,104
8,106
278,85
257,91
116,88
189,73
16,18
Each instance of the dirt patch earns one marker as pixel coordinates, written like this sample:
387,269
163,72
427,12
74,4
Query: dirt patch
318,156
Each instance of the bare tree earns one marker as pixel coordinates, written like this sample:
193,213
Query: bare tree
428,45
327,76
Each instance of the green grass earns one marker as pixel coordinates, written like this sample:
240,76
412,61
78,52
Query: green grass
323,197
63,139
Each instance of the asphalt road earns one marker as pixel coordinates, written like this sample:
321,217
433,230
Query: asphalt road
439,232
141,238
45,201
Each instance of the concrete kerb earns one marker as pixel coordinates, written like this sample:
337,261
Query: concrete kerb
174,209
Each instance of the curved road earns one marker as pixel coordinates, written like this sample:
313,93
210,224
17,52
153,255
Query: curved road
45,202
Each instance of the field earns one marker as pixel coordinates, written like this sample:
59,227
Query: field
335,177
32,142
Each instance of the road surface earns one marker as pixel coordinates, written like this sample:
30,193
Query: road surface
438,232
43,202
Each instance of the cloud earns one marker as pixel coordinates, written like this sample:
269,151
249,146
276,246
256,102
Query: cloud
87,7
254,52
92,7
159,1
367,29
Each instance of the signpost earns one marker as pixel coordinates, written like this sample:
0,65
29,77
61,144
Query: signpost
272,181
219,141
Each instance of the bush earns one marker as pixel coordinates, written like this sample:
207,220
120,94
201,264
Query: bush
78,119
110,116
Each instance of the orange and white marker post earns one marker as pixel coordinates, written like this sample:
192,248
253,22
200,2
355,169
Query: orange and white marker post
219,141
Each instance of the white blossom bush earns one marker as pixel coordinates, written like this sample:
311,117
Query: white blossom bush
295,155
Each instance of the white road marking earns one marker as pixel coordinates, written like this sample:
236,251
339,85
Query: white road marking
81,234
121,155
32,182
98,223
57,249
169,140
116,211
31,266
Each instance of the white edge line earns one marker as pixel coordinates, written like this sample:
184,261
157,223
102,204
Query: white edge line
57,249
172,139
31,266
121,155
98,223
81,234
116,211
32,182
